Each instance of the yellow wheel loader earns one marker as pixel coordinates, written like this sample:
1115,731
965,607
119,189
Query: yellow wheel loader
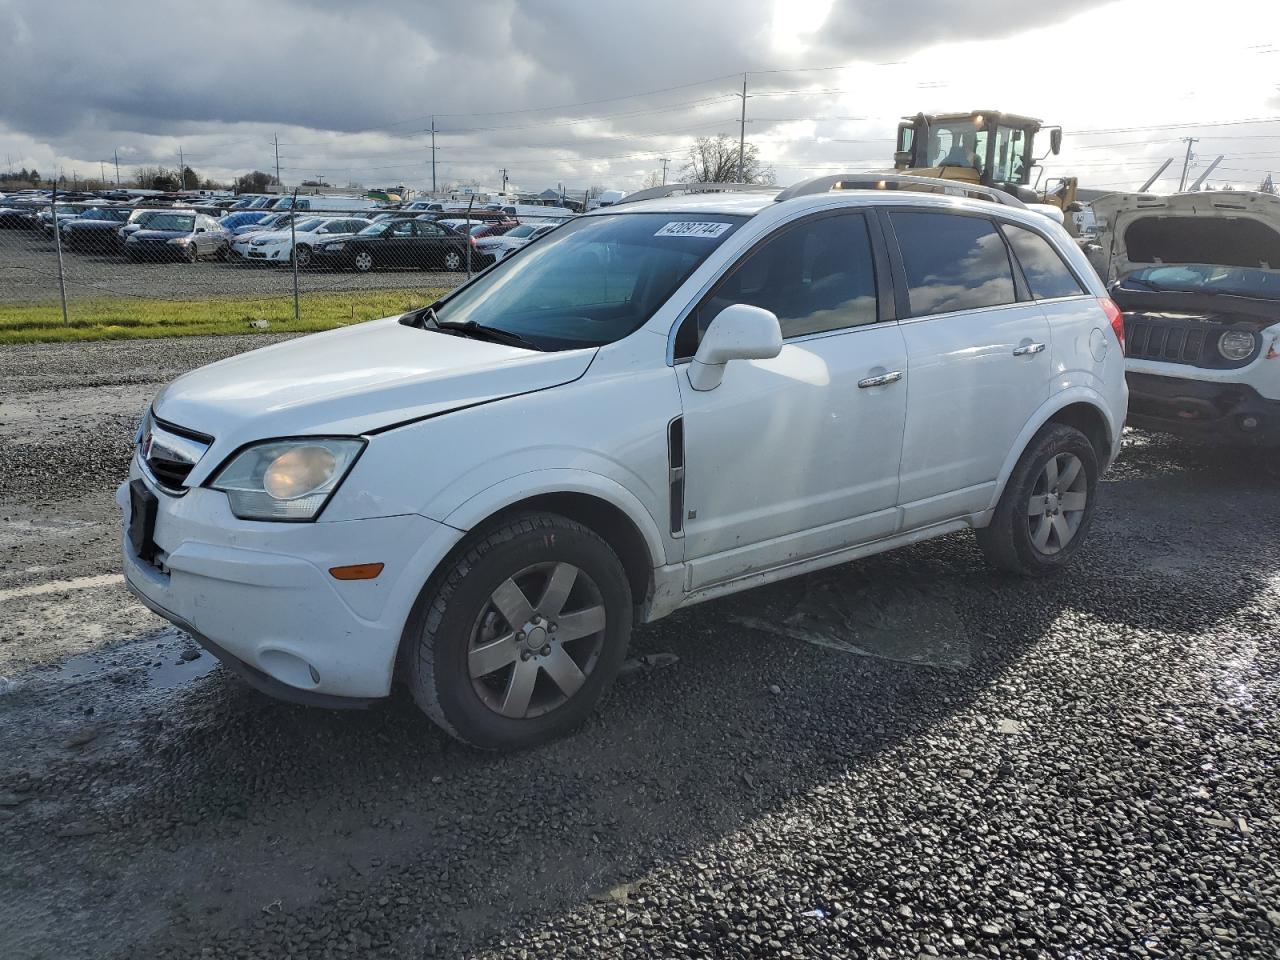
985,147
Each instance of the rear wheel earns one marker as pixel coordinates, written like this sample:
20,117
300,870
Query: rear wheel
516,641
1047,506
453,260
363,261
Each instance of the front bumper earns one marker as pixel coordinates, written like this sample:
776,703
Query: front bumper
259,596
1203,410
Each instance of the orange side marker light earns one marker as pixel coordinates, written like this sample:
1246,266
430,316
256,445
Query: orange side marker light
356,571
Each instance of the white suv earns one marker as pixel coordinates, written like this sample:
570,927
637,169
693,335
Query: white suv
657,404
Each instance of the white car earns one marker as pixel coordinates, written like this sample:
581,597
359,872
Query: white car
515,238
1198,278
658,404
276,246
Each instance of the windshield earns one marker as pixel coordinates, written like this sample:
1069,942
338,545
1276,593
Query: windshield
375,229
957,143
307,225
1206,278
591,282
171,221
523,230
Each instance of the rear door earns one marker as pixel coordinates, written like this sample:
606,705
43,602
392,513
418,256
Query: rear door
978,363
431,243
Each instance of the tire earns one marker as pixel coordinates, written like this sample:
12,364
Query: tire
224,253
192,254
453,260
1040,520
363,261
303,256
458,614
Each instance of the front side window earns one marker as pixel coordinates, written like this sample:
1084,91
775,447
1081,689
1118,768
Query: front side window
593,281
952,262
816,276
1046,274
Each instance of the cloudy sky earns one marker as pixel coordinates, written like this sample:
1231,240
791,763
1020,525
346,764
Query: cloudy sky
596,93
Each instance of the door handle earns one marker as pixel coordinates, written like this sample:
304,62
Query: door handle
880,381
1027,348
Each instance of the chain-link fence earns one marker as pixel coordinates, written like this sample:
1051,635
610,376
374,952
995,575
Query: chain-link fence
81,267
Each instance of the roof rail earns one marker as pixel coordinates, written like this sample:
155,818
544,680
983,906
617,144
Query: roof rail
871,181
672,189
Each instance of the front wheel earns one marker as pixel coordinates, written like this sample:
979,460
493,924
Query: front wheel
516,640
363,261
453,260
1047,505
303,256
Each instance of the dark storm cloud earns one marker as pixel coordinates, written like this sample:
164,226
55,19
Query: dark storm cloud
84,76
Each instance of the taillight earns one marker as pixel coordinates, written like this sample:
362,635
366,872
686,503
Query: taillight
1115,315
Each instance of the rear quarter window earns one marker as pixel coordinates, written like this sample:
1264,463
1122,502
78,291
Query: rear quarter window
1046,272
952,262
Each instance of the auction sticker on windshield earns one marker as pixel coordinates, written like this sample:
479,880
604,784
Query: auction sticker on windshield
687,228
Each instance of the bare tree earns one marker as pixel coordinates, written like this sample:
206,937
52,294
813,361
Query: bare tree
715,160
652,179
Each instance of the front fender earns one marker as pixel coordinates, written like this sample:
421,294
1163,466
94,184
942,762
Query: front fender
524,486
1045,413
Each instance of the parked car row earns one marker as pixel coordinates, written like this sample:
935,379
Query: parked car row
368,238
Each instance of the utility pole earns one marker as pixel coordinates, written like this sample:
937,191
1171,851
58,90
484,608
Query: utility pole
116,155
742,130
1186,163
665,161
275,138
182,168
433,154
504,179
102,172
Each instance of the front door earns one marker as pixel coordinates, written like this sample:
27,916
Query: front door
795,456
977,359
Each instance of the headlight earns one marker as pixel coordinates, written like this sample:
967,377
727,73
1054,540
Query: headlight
1237,344
286,479
181,241
333,246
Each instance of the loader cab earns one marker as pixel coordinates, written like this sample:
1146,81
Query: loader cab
986,147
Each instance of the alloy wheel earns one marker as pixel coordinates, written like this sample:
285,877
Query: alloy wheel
528,657
364,262
1058,501
452,260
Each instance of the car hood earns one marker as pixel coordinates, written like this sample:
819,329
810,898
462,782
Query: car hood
356,380
145,234
1230,228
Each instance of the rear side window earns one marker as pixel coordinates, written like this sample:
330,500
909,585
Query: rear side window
1045,270
815,277
953,262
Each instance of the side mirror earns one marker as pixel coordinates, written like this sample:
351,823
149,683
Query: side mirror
200,230
1055,140
739,332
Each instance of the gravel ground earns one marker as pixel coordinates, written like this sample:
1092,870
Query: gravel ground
29,274
907,756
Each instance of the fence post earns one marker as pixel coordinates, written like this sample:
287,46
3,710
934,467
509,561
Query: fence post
293,252
57,242
470,204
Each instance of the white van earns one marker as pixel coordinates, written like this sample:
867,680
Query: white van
325,204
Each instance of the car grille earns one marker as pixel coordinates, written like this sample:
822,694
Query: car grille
1188,341
170,453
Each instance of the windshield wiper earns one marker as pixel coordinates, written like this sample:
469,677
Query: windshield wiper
482,332
1147,284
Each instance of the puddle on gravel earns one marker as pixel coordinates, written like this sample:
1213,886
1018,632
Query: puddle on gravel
905,621
164,667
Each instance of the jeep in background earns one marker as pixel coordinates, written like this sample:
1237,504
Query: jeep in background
1198,278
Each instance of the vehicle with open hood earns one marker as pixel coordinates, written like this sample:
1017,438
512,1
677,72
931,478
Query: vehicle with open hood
1197,276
